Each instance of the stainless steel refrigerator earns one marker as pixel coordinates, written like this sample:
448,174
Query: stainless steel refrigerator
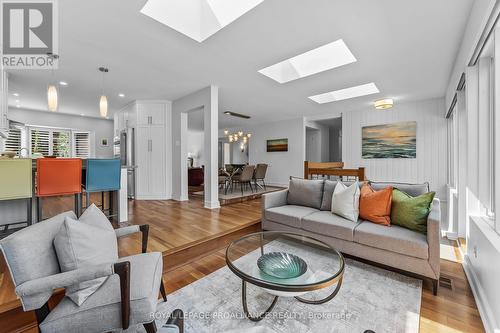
127,157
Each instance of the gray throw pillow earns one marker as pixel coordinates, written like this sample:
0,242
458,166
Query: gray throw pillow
326,203
83,243
305,192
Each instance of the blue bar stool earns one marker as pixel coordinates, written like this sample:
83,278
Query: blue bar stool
102,175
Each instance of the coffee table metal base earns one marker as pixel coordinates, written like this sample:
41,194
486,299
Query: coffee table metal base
245,306
275,300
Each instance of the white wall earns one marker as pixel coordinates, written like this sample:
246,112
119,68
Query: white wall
238,156
206,99
282,165
320,144
477,21
195,146
431,161
483,270
102,128
335,144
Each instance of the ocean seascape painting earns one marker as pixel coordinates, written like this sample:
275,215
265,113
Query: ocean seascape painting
398,140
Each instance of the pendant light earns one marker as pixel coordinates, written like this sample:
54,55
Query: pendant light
103,101
52,100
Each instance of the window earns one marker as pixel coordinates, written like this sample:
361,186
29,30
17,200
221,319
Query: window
81,144
59,142
13,142
40,142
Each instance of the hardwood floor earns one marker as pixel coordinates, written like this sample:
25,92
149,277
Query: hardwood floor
176,227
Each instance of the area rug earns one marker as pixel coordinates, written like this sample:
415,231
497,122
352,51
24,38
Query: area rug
370,298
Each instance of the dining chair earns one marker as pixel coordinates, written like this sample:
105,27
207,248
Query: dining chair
58,177
245,177
260,175
128,297
16,184
102,175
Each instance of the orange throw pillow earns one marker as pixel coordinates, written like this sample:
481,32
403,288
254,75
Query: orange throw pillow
375,206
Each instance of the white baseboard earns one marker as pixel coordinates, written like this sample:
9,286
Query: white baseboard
479,295
212,204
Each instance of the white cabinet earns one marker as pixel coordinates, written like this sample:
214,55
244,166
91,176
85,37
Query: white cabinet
150,114
4,100
152,147
151,165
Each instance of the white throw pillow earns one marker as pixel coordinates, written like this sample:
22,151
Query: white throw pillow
83,243
95,217
345,201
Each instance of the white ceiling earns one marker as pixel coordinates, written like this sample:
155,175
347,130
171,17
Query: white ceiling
407,48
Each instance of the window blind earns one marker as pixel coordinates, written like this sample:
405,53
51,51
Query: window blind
81,142
40,141
13,142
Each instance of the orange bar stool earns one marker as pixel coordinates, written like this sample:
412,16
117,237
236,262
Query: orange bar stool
58,177
16,184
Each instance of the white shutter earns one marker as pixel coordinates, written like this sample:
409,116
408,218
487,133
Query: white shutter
13,142
61,143
81,142
40,141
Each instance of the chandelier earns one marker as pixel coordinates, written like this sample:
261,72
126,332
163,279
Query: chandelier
238,136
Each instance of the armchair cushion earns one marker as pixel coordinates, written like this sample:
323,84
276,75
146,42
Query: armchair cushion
101,312
83,243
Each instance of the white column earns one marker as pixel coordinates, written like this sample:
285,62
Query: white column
211,124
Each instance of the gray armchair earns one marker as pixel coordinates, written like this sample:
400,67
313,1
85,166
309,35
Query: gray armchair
128,297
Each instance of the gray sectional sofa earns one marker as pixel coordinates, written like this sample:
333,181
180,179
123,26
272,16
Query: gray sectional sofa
305,208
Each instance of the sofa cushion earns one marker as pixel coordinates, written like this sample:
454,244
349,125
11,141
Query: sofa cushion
328,188
290,215
345,201
411,212
305,192
328,224
412,189
375,206
394,239
102,310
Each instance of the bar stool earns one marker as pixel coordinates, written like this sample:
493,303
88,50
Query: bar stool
16,184
57,177
102,175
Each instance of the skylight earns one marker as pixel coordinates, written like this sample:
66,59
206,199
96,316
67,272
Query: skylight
197,19
352,92
320,59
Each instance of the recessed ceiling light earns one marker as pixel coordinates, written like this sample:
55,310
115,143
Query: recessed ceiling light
318,60
16,94
121,95
63,83
352,92
17,101
197,19
383,104
82,114
18,106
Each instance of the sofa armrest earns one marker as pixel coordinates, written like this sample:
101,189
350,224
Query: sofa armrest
62,280
274,199
434,236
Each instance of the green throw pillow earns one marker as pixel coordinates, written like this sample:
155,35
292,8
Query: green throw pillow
411,212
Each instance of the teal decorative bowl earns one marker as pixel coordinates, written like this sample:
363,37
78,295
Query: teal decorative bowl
282,265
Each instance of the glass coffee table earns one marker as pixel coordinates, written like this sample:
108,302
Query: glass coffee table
285,264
